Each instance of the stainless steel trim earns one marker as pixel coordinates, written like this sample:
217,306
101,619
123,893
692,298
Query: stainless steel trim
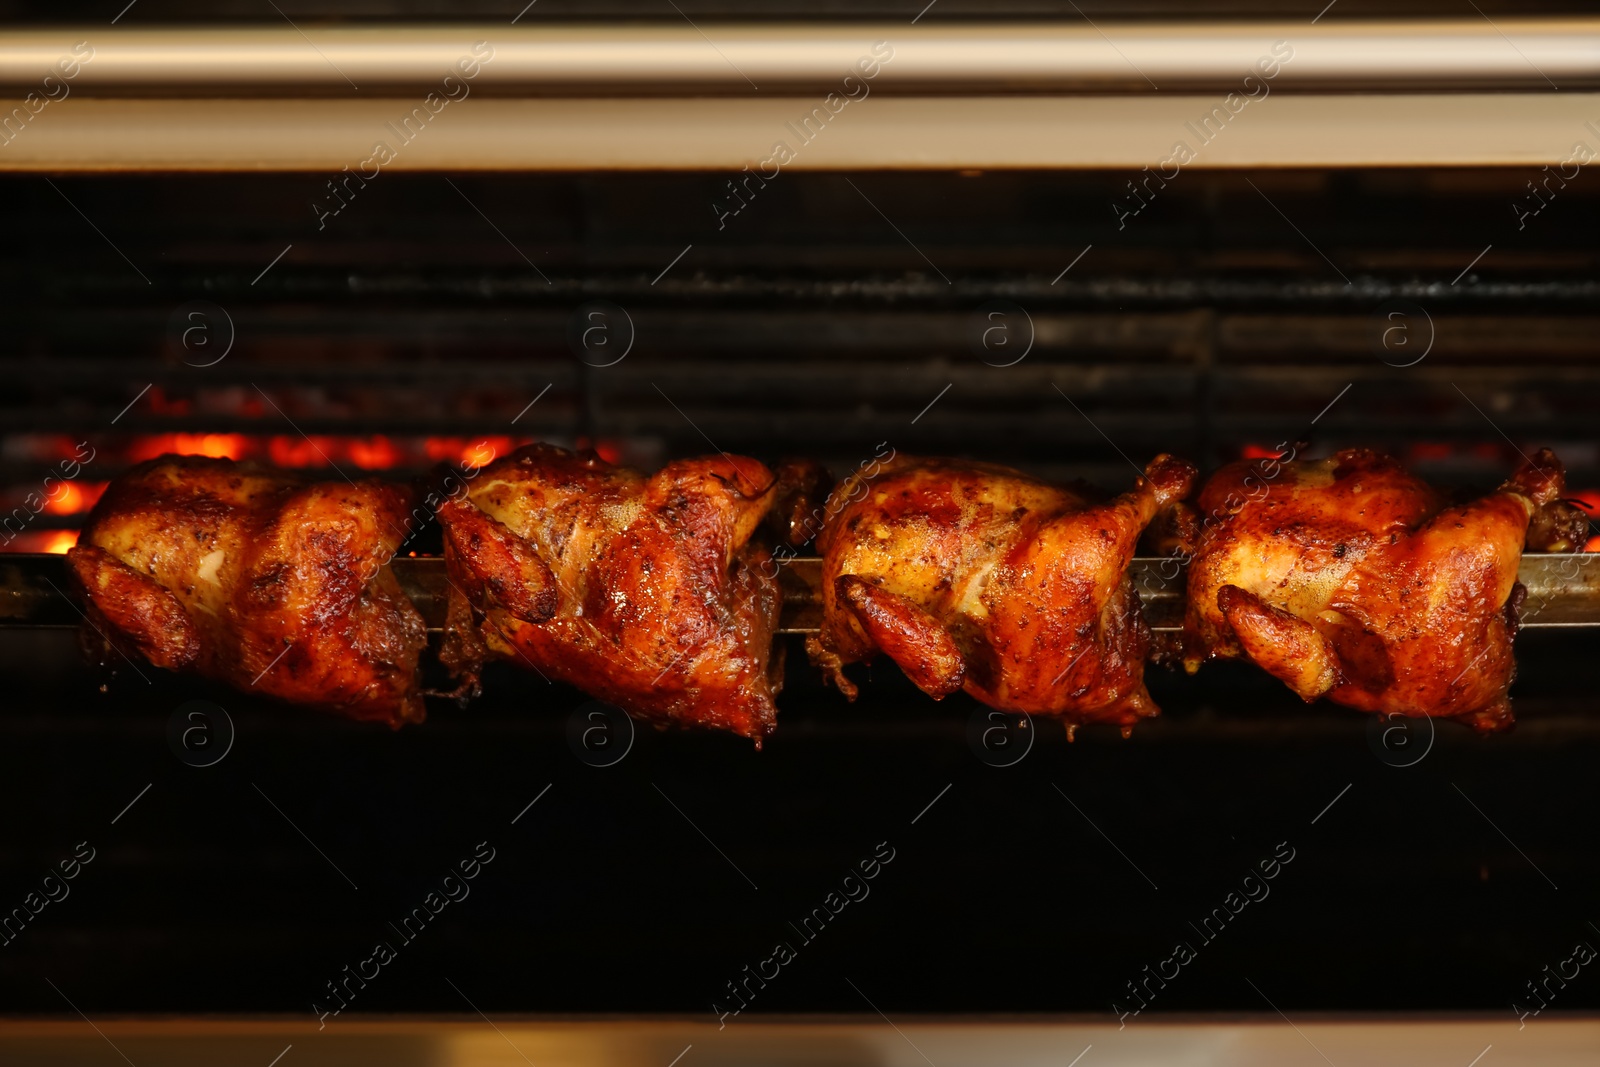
721,133
963,58
911,1041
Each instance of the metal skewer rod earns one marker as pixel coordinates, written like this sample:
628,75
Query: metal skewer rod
1563,591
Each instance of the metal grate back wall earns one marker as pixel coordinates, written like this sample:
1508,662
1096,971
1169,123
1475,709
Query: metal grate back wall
1024,318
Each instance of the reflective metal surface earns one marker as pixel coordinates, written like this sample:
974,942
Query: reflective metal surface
872,1040
728,132
967,57
720,95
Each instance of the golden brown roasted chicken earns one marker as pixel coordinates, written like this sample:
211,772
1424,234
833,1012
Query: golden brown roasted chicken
258,579
977,577
1348,578
646,592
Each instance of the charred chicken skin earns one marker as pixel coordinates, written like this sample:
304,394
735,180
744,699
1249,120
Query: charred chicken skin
646,592
1349,578
977,577
258,579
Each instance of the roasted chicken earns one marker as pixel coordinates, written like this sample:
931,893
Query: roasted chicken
646,592
977,577
258,579
1349,578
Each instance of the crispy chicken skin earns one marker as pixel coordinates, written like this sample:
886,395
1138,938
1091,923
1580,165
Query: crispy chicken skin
977,577
642,591
258,579
1348,578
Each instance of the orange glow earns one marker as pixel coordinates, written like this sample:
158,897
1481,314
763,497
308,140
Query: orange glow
472,454
215,445
1259,452
301,451
375,454
1587,499
61,448
443,449
74,498
52,541
479,455
148,447
67,500
59,541
610,451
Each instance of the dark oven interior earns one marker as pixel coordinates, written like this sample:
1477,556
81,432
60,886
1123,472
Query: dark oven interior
1013,317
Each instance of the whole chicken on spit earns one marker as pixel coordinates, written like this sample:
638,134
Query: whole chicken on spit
978,577
1347,577
259,579
646,592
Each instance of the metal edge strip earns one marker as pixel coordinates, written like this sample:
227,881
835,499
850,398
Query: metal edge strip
773,134
1542,54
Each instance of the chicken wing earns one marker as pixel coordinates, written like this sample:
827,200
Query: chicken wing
646,592
258,579
977,577
1349,578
